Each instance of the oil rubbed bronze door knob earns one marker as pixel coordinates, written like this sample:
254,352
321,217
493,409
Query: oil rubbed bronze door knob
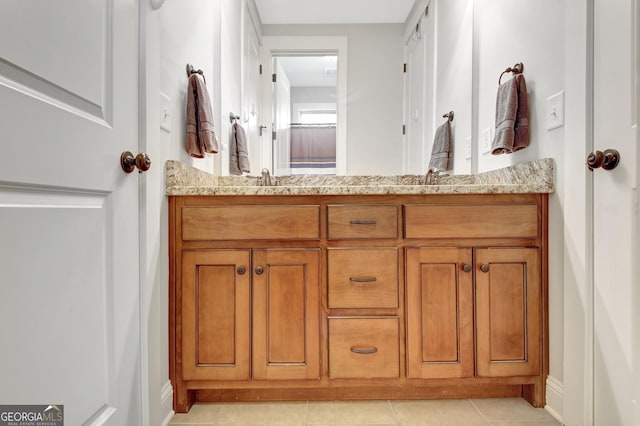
129,163
608,160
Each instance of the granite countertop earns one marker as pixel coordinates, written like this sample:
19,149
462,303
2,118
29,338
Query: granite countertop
531,177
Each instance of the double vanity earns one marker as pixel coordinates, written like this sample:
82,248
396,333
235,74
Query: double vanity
343,287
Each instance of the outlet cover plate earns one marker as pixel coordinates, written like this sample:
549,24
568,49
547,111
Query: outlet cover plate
485,141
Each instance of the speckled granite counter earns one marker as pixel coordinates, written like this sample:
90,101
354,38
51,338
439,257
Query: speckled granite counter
531,177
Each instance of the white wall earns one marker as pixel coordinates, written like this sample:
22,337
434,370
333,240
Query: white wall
177,34
507,32
374,104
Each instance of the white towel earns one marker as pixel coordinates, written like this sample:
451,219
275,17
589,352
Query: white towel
239,154
441,151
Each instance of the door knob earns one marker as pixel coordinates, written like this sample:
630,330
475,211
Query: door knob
128,162
608,160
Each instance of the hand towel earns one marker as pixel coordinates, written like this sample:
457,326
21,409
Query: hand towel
512,117
201,138
239,155
441,151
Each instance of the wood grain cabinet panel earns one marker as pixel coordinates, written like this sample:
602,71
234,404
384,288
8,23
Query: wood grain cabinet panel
471,221
215,315
286,309
364,348
362,221
508,310
363,278
439,313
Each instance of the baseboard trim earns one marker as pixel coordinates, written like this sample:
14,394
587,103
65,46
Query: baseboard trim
166,403
555,398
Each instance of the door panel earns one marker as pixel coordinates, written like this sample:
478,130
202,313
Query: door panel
440,313
616,291
286,309
215,315
508,312
69,241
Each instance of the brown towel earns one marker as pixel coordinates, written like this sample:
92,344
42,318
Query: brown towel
200,135
239,156
512,117
441,151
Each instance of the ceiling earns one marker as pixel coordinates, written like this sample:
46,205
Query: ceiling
333,11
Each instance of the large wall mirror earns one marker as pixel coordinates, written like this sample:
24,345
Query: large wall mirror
379,90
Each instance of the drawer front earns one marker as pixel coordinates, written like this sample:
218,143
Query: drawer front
364,348
250,222
363,278
362,221
467,221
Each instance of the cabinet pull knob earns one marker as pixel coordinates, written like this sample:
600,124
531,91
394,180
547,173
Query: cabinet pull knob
364,351
484,268
466,267
363,279
363,222
241,270
259,270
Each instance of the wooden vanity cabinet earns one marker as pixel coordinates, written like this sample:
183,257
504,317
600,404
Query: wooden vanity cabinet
358,297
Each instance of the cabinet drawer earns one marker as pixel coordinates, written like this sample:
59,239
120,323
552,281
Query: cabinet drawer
363,278
362,221
468,221
363,348
250,222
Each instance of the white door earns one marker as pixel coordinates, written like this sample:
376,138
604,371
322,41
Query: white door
616,281
418,98
281,121
252,96
69,302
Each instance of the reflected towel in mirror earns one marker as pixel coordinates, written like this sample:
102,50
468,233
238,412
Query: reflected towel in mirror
441,151
239,153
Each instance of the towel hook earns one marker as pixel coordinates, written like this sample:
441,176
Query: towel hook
448,115
192,70
233,117
518,68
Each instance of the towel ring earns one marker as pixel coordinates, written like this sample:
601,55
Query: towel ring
192,70
516,69
448,115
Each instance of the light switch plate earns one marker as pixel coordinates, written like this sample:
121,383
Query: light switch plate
485,141
165,113
555,111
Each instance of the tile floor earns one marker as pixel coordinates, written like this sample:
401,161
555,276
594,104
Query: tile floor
467,412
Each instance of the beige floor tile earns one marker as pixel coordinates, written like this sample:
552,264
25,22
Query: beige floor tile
198,414
437,412
510,409
532,423
283,414
353,413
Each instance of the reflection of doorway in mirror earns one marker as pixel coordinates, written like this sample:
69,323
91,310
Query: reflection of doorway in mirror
305,114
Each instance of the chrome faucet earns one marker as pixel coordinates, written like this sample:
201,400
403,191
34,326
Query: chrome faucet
265,178
433,176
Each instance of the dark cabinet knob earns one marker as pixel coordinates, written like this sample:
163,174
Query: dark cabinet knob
259,270
484,268
241,270
466,267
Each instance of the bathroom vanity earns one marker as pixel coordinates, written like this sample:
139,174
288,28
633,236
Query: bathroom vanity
358,288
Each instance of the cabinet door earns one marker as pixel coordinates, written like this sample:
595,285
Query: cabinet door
439,312
215,314
286,310
508,302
